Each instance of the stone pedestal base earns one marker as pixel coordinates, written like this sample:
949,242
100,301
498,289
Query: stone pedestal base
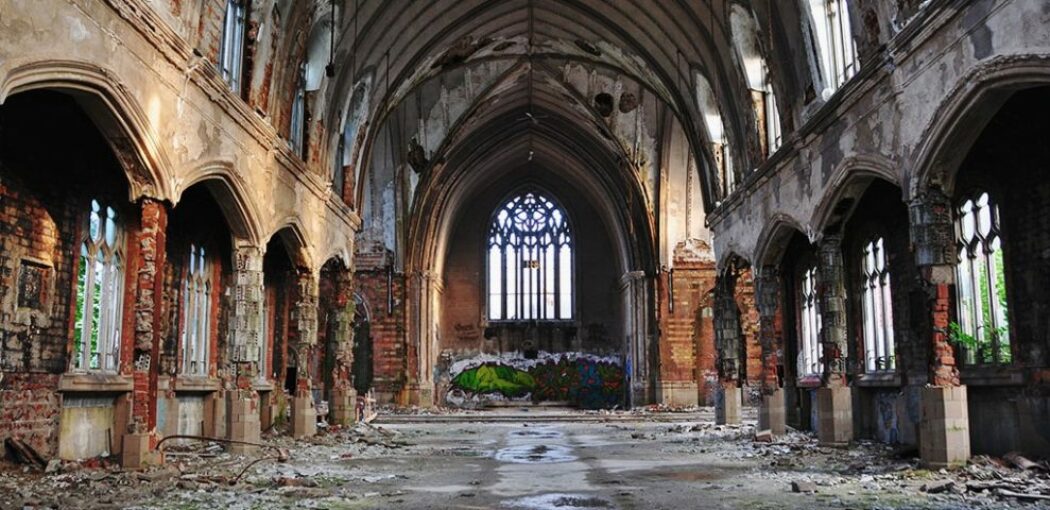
640,394
242,410
728,405
834,416
772,415
944,430
419,395
343,406
678,393
136,453
304,416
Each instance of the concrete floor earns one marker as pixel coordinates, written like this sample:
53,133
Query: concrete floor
526,459
559,460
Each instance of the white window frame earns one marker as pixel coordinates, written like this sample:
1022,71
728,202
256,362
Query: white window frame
100,279
980,266
231,50
877,309
833,36
809,348
196,325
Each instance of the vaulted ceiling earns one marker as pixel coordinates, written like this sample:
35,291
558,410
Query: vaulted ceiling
650,50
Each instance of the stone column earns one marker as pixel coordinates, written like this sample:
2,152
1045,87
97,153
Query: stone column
246,344
148,253
771,414
729,400
944,427
834,397
304,320
420,327
635,290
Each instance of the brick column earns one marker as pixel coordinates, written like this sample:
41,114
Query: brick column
304,320
944,428
343,403
242,402
771,414
148,252
729,400
834,398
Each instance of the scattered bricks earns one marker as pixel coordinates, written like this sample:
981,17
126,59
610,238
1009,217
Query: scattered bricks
764,436
937,487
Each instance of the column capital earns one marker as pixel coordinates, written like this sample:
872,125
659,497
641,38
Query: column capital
931,230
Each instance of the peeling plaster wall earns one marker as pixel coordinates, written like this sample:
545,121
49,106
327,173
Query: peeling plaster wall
881,118
183,108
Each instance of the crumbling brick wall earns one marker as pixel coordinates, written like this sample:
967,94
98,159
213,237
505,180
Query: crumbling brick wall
46,184
686,333
389,356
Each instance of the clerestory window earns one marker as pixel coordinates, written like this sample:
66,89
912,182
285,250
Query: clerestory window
231,50
983,329
297,130
530,260
833,38
99,291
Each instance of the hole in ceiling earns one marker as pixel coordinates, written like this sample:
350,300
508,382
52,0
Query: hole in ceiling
588,47
603,103
503,45
628,102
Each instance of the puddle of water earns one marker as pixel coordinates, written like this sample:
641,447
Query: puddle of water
559,502
538,434
535,454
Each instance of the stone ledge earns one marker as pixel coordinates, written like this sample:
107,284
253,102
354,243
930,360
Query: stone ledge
96,383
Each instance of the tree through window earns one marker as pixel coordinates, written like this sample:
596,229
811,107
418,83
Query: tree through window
100,289
983,328
530,263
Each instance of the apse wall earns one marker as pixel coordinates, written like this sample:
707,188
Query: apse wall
590,343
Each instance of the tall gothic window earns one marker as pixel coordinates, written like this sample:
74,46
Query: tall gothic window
100,289
877,309
297,130
833,38
983,328
809,324
196,326
530,260
231,51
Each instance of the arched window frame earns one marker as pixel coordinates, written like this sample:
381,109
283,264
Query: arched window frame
876,306
99,290
756,70
809,321
714,123
197,288
832,35
231,49
982,327
508,303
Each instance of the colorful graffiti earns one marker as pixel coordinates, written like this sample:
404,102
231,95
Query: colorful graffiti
491,378
587,381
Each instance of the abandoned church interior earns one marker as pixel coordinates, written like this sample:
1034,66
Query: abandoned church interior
524,253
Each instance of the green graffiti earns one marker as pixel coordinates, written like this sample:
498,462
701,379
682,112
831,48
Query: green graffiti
490,378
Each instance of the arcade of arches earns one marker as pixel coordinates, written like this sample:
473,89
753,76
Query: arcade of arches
225,217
